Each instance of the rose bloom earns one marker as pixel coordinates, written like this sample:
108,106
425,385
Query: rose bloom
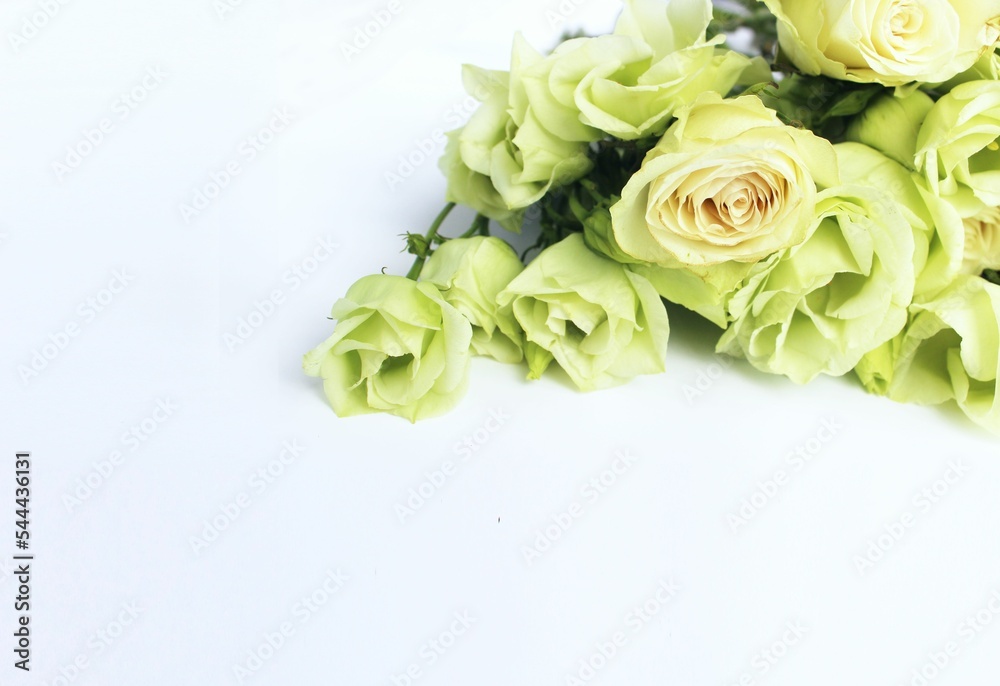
503,160
819,307
398,347
727,182
470,273
958,147
892,42
628,84
948,351
603,324
938,233
982,242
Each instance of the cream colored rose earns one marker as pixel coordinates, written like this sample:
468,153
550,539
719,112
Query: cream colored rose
727,182
982,242
891,42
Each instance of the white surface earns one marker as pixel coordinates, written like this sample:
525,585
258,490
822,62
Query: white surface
666,519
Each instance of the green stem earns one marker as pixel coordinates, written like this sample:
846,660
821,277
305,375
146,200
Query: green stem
480,226
432,233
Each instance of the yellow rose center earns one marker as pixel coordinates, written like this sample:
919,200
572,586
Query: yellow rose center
906,37
715,206
905,19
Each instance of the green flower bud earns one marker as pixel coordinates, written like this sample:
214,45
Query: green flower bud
890,125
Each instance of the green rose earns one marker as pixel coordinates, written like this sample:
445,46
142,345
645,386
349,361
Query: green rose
818,307
982,242
629,83
471,272
398,347
890,124
958,148
472,189
949,351
937,227
727,182
892,42
504,143
603,324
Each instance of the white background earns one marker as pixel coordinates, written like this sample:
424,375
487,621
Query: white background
110,535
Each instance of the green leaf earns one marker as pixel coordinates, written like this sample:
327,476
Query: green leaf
818,103
565,210
758,88
854,102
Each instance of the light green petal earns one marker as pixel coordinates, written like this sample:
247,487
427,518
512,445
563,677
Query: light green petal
799,25
981,27
704,290
666,28
471,272
957,147
398,348
533,162
819,307
628,84
553,86
538,359
503,160
890,125
951,350
937,228
524,59
475,190
986,69
341,376
641,106
601,323
876,368
485,130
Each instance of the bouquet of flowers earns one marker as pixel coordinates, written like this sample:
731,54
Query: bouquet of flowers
828,195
